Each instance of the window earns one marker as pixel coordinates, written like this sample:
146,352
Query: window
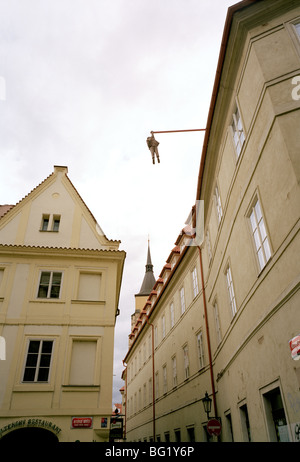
259,234
145,395
150,390
83,362
217,322
238,132
297,28
191,434
200,349
218,204
50,223
156,386
245,423
186,362
155,336
50,284
231,291
177,436
163,326
174,370
172,313
165,387
195,282
38,361
89,287
182,299
45,222
55,223
209,253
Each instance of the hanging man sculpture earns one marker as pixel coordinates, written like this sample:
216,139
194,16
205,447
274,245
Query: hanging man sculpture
152,145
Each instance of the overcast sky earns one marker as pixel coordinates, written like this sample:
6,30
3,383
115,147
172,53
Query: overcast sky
82,84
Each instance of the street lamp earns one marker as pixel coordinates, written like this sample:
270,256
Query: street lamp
207,404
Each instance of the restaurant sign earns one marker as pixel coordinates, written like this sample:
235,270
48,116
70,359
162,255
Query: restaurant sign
22,423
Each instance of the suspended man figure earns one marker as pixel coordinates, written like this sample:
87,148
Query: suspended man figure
152,145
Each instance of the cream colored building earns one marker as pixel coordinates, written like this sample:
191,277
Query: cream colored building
60,281
221,315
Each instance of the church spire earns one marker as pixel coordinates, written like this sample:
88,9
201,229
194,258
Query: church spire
149,279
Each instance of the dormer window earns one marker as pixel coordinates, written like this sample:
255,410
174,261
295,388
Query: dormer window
50,223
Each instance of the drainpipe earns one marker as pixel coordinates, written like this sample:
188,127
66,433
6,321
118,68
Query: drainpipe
126,391
207,336
153,377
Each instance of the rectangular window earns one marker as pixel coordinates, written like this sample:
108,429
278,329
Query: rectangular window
55,223
182,299
155,336
200,349
217,322
50,284
150,390
89,287
156,386
165,385
209,253
297,28
174,370
50,222
238,132
45,222
231,291
172,313
195,282
218,204
145,395
83,362
163,326
38,361
245,423
259,234
186,362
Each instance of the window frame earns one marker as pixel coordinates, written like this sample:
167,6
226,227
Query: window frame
218,204
182,299
262,237
174,371
49,285
38,366
172,314
200,349
186,361
217,321
195,282
50,223
230,290
238,140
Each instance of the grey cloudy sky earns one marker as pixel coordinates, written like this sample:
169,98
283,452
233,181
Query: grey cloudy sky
85,83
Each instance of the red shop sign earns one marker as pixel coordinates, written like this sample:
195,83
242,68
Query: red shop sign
82,422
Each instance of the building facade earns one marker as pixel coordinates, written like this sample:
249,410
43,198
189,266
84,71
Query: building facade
60,281
221,315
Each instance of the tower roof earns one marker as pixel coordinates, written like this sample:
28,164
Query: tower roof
149,279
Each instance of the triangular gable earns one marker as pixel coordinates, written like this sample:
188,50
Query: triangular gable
53,215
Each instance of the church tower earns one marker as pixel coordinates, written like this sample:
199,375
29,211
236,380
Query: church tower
145,290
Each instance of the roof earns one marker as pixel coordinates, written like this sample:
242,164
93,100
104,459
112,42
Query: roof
4,209
149,279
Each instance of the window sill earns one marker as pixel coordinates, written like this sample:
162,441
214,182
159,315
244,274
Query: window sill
71,388
49,230
88,302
